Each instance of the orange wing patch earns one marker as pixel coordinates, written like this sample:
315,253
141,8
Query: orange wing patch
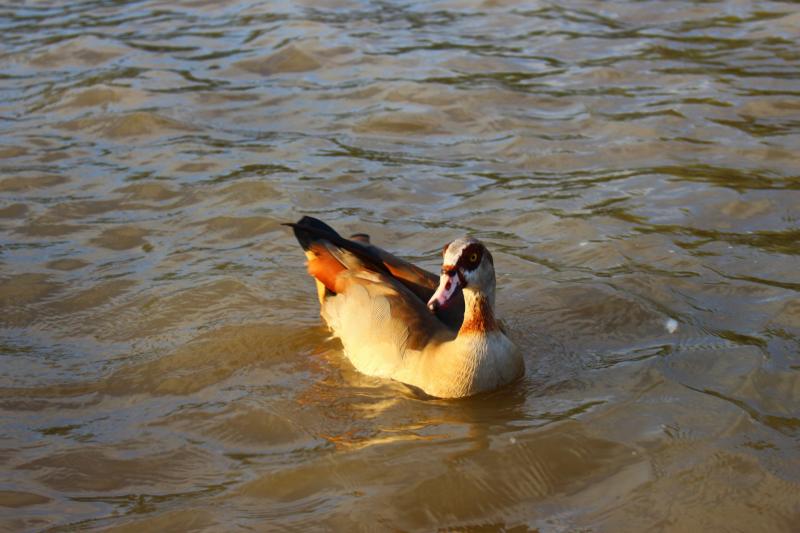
323,266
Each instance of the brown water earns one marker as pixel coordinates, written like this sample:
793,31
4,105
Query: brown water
633,166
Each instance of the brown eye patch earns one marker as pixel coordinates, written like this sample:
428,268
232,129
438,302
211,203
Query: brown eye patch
471,256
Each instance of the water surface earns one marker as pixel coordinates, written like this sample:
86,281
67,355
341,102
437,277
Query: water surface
632,165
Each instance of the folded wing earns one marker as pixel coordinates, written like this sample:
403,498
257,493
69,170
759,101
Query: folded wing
329,254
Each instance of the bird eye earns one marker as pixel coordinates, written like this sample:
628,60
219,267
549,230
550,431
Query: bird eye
473,257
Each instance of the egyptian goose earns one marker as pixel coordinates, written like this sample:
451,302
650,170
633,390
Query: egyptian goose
376,304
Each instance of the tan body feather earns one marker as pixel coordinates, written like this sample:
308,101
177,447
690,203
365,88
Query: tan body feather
388,333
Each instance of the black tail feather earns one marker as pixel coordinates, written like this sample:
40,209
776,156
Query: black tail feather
309,230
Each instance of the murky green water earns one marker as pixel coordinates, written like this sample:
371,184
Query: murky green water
632,165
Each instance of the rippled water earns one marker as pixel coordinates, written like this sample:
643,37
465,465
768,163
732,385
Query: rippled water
632,165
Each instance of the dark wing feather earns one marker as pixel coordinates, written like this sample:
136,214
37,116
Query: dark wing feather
420,282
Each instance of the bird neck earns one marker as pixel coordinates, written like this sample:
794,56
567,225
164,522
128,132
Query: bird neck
478,313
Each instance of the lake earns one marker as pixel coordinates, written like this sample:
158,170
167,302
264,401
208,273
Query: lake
632,166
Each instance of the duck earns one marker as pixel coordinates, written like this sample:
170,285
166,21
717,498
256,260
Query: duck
437,334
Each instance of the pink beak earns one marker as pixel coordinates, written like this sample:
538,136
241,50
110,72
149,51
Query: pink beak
443,297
